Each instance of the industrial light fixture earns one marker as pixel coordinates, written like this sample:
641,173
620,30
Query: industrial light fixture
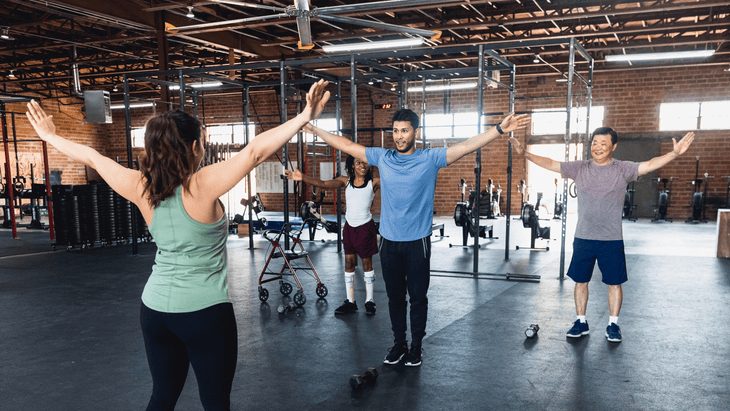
442,87
5,35
132,105
661,56
190,14
392,87
115,88
374,45
11,75
206,84
536,59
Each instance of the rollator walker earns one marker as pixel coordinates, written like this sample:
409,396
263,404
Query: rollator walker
291,257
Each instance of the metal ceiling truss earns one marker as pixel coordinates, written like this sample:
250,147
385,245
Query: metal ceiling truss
118,37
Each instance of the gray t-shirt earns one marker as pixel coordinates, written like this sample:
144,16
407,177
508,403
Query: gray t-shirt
601,193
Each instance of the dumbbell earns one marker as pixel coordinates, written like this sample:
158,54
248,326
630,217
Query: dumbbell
532,330
370,375
284,308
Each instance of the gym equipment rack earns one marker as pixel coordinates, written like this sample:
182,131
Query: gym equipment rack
235,76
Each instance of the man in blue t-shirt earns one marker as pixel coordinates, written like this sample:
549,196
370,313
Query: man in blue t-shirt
407,183
601,185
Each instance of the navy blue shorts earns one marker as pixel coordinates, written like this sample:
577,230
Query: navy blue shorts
361,240
610,256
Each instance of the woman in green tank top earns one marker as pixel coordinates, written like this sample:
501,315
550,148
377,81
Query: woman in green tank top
186,315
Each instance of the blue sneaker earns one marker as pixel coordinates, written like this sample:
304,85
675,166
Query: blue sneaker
613,333
579,329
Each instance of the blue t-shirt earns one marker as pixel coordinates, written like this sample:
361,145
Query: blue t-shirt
407,186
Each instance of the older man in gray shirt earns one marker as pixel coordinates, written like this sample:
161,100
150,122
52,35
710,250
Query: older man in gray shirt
601,183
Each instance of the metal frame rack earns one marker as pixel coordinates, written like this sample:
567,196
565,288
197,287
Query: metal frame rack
385,73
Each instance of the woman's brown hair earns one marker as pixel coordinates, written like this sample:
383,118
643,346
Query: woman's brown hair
169,159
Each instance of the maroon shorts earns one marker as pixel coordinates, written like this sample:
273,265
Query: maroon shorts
361,240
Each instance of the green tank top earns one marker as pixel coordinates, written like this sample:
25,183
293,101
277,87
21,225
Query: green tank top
190,270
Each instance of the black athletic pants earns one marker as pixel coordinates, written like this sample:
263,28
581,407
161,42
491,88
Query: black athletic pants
406,267
207,339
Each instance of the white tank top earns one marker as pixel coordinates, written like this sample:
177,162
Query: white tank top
359,201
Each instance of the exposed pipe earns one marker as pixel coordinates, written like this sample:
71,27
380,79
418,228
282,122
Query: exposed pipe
75,74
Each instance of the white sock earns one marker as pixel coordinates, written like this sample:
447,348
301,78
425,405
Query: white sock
369,278
582,318
350,286
612,320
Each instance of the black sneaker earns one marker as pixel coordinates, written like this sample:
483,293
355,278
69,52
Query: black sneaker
413,359
397,352
346,307
370,307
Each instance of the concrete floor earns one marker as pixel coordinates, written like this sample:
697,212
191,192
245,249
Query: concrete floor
70,336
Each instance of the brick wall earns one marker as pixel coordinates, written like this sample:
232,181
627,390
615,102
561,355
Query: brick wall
69,120
631,100
632,103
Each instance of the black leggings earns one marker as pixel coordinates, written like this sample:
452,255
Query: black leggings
207,339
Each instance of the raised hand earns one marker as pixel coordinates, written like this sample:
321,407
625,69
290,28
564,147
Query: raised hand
295,174
317,97
512,122
684,143
42,123
517,146
308,128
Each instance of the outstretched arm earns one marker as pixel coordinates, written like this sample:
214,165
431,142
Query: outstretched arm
656,163
338,142
124,181
544,162
297,175
217,179
509,123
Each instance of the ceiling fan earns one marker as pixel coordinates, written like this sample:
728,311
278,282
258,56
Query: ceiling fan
303,13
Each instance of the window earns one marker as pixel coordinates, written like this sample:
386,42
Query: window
456,125
678,116
438,126
233,134
709,115
552,121
229,133
715,115
138,137
540,180
327,124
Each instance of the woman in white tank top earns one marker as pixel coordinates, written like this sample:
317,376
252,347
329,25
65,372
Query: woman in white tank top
359,233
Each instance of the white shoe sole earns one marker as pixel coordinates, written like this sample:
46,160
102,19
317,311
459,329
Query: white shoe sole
613,340
385,361
577,336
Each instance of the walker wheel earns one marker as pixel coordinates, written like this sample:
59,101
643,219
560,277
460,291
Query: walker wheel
321,290
299,298
263,294
285,288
